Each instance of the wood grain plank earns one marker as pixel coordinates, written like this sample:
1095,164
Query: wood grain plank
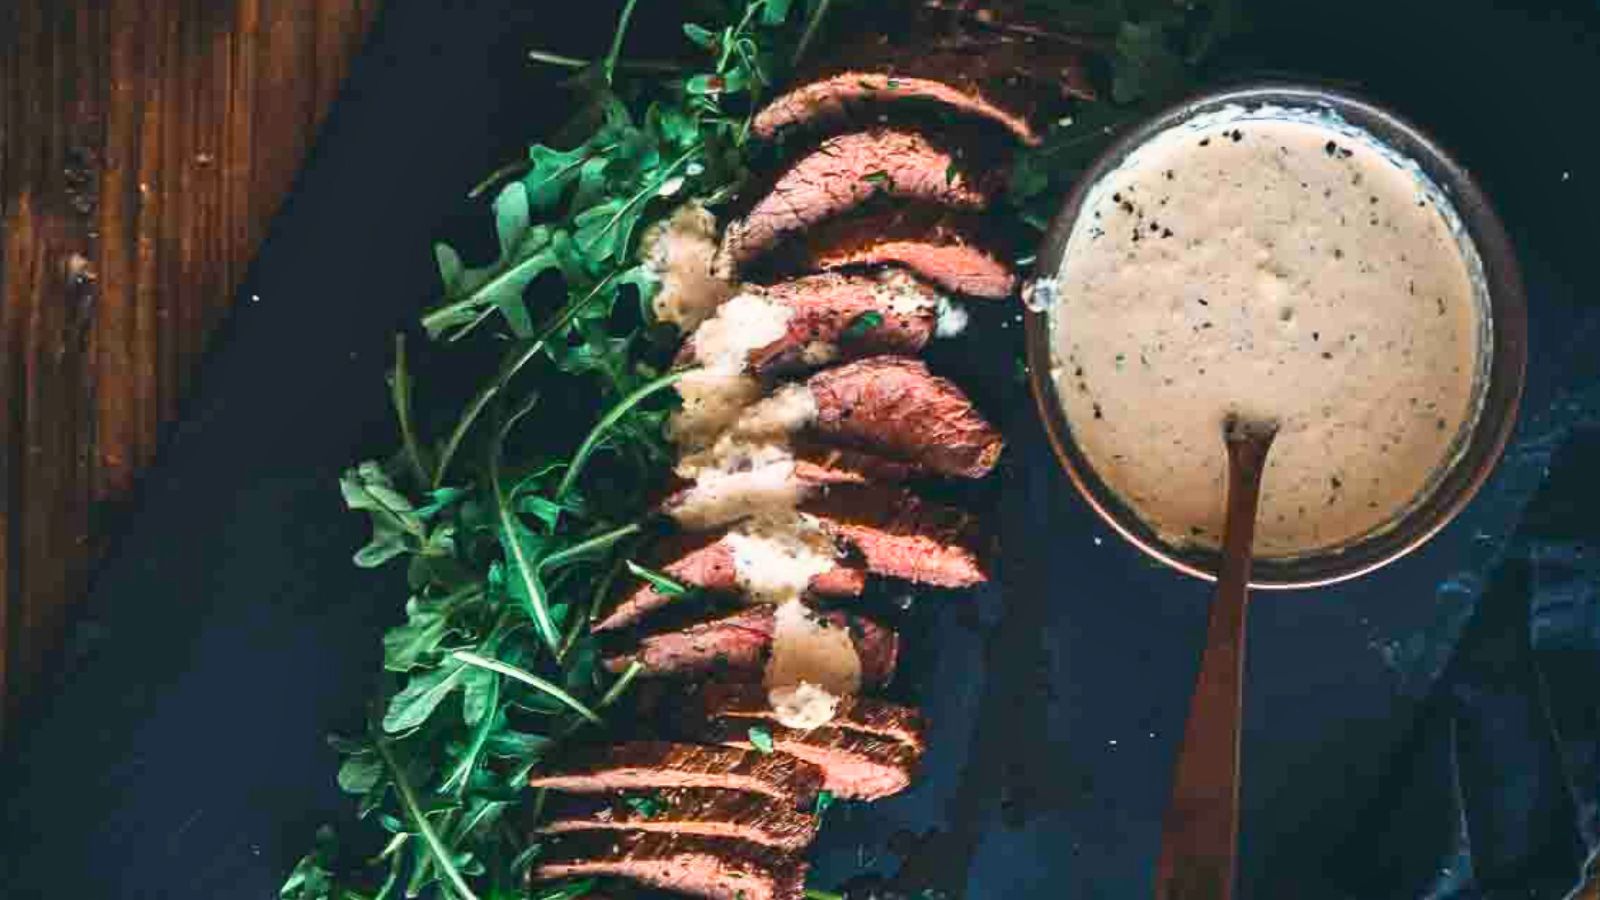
144,147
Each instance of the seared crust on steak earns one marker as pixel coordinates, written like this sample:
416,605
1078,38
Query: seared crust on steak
709,812
953,250
657,765
897,406
868,715
845,171
1010,79
855,766
737,645
705,560
900,535
824,312
818,464
712,867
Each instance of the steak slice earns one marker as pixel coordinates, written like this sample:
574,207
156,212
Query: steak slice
709,812
952,250
1011,80
706,561
808,467
845,171
854,766
818,465
844,95
896,405
867,715
737,645
659,765
826,320
713,867
900,535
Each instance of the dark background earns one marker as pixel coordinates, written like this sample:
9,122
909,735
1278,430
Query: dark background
181,752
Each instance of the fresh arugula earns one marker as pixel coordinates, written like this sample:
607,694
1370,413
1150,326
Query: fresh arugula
760,738
510,546
863,324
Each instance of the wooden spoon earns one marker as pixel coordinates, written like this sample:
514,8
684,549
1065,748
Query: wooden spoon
1199,836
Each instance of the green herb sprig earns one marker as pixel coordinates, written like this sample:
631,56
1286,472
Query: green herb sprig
508,556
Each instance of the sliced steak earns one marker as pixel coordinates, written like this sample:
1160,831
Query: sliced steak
713,867
706,561
868,715
855,766
1010,80
818,465
809,467
897,406
736,645
952,250
835,316
709,812
844,95
900,535
658,765
845,171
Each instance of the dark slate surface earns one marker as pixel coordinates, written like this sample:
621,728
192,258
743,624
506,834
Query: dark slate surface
180,754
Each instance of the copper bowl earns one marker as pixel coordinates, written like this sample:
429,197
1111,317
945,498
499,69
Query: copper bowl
1481,442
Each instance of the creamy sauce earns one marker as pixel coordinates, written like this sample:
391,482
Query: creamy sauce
811,666
1282,268
734,481
681,253
746,322
776,556
734,446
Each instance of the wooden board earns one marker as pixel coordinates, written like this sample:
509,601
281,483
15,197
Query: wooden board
144,147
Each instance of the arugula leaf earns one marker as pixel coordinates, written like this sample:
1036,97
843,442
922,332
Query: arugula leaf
646,805
760,738
863,324
421,695
824,800
663,583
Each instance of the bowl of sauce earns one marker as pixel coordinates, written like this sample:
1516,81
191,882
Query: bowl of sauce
1284,252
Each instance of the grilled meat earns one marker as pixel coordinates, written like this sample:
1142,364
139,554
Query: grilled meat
712,867
844,172
901,535
826,320
866,715
896,406
708,812
955,251
737,645
658,765
855,765
706,561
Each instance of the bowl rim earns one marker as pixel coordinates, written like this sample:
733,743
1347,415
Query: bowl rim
1501,394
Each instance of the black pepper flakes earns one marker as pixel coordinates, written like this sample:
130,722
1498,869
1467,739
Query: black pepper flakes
1098,412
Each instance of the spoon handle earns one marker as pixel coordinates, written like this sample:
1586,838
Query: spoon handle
1199,836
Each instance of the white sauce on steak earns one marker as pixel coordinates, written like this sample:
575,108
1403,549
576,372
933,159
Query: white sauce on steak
775,556
812,665
1279,265
681,253
734,447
